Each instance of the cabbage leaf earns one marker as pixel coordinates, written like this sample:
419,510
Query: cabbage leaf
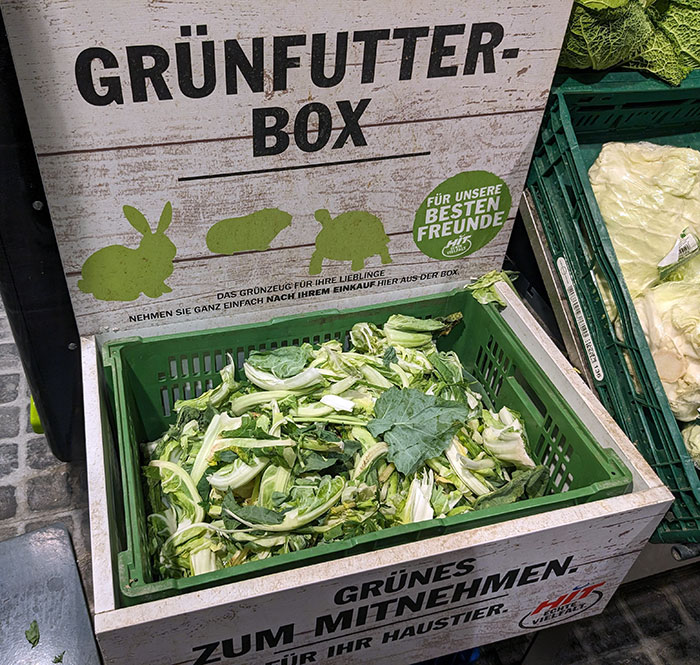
649,196
658,36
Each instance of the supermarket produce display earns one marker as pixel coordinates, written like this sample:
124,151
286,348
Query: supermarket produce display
656,36
320,423
347,411
319,444
601,245
649,197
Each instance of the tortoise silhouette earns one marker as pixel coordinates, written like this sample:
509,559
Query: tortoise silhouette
120,273
253,232
351,236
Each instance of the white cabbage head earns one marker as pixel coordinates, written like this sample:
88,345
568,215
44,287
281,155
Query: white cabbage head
670,317
648,195
691,436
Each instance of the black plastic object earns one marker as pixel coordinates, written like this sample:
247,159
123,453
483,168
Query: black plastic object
32,283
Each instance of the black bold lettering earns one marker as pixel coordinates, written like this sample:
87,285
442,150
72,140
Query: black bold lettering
185,75
530,574
371,588
229,651
207,650
442,572
369,55
556,568
438,597
495,609
465,566
420,577
281,61
86,83
327,624
410,604
265,638
139,72
347,594
382,608
390,636
318,60
352,129
496,582
410,37
261,131
477,47
236,61
462,590
301,127
438,51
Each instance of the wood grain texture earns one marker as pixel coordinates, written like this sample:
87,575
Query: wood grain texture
603,547
47,37
603,537
87,191
94,160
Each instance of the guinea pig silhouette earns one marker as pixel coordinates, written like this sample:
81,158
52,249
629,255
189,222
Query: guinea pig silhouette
252,232
120,273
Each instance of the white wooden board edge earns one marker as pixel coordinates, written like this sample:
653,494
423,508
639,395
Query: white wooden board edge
647,489
655,500
100,546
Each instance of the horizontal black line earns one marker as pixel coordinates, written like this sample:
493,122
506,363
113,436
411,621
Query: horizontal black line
165,144
298,167
393,623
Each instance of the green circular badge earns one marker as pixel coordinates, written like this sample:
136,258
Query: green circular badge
461,215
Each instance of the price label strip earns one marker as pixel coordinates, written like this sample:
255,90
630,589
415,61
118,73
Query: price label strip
584,331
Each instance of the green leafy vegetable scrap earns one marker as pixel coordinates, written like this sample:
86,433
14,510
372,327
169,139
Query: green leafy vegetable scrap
32,634
484,291
320,443
415,426
59,658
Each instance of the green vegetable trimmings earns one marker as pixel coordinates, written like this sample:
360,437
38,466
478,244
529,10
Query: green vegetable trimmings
32,634
323,443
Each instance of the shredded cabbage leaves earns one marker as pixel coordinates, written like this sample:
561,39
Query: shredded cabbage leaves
320,443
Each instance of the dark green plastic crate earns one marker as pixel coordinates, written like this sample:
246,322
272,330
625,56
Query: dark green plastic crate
583,113
146,376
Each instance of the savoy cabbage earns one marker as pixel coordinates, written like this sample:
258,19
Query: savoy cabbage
658,36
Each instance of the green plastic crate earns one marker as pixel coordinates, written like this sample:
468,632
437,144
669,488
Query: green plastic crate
583,113
146,376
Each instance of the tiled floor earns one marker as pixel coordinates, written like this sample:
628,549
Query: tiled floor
36,489
652,622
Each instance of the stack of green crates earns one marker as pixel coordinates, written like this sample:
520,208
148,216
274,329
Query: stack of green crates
146,376
585,112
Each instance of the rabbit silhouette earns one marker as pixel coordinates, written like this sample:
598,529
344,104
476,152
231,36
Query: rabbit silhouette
120,273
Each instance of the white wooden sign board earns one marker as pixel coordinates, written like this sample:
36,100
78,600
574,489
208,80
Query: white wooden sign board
141,104
396,605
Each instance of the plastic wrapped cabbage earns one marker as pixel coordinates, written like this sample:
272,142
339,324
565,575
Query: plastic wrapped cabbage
649,196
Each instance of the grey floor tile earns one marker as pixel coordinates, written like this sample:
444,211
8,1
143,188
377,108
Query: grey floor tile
652,610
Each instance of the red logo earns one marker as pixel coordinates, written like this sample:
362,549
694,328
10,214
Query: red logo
556,610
